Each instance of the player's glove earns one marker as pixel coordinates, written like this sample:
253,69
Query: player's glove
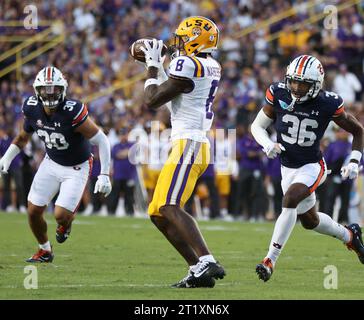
273,150
351,171
4,165
103,185
153,53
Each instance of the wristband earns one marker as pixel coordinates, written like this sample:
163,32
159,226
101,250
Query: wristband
355,155
150,82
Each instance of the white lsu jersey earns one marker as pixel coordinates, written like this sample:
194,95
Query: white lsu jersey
191,113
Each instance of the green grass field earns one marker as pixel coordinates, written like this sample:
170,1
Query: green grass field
127,258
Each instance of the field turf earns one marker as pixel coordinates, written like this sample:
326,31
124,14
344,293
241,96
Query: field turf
127,258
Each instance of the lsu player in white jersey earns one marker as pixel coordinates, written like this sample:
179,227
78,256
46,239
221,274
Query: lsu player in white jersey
190,88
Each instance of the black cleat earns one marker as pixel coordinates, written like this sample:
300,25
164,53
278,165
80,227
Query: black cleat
356,242
41,256
264,269
184,283
62,234
205,274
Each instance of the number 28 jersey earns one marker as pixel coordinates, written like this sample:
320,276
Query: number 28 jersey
63,145
301,129
191,113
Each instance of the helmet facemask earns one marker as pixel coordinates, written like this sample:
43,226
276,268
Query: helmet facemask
302,95
178,46
50,96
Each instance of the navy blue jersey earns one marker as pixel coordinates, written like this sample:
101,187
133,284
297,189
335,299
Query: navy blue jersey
63,144
301,130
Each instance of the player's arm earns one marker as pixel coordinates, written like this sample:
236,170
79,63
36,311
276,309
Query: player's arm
263,120
157,92
14,149
97,137
18,143
157,95
349,123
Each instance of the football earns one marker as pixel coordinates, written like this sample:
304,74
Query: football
137,54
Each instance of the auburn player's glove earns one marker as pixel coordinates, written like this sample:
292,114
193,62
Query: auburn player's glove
8,157
103,185
273,150
153,53
351,171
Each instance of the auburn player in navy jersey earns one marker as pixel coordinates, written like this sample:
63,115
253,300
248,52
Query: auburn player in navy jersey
301,112
67,131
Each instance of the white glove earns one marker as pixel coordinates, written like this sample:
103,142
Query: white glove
103,185
4,165
273,150
153,53
351,171
8,157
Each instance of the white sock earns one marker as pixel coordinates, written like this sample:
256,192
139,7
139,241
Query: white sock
282,230
224,212
46,246
208,257
330,227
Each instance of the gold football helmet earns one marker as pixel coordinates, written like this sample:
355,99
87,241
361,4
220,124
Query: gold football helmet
195,35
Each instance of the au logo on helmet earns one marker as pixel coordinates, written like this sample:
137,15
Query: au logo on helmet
196,35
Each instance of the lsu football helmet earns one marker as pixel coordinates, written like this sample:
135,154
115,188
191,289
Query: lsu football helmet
50,87
306,69
196,35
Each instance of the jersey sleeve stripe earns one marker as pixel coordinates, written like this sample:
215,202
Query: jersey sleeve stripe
81,117
339,110
196,66
79,112
201,72
269,96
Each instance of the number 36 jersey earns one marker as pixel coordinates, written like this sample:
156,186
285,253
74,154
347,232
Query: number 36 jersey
191,113
63,145
301,129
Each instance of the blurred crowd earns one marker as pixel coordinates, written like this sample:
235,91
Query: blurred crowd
94,56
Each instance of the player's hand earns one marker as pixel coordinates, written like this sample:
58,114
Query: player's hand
351,171
153,53
103,185
273,150
4,165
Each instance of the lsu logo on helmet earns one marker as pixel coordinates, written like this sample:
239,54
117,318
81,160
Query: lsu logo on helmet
196,35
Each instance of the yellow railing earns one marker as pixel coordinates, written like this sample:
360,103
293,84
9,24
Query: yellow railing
313,18
116,86
276,18
22,60
52,36
20,23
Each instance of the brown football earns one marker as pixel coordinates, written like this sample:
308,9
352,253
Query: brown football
137,54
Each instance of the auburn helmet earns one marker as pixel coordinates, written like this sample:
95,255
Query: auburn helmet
50,87
195,35
307,69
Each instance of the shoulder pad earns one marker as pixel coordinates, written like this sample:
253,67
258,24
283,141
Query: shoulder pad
186,67
77,111
273,88
335,101
29,104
